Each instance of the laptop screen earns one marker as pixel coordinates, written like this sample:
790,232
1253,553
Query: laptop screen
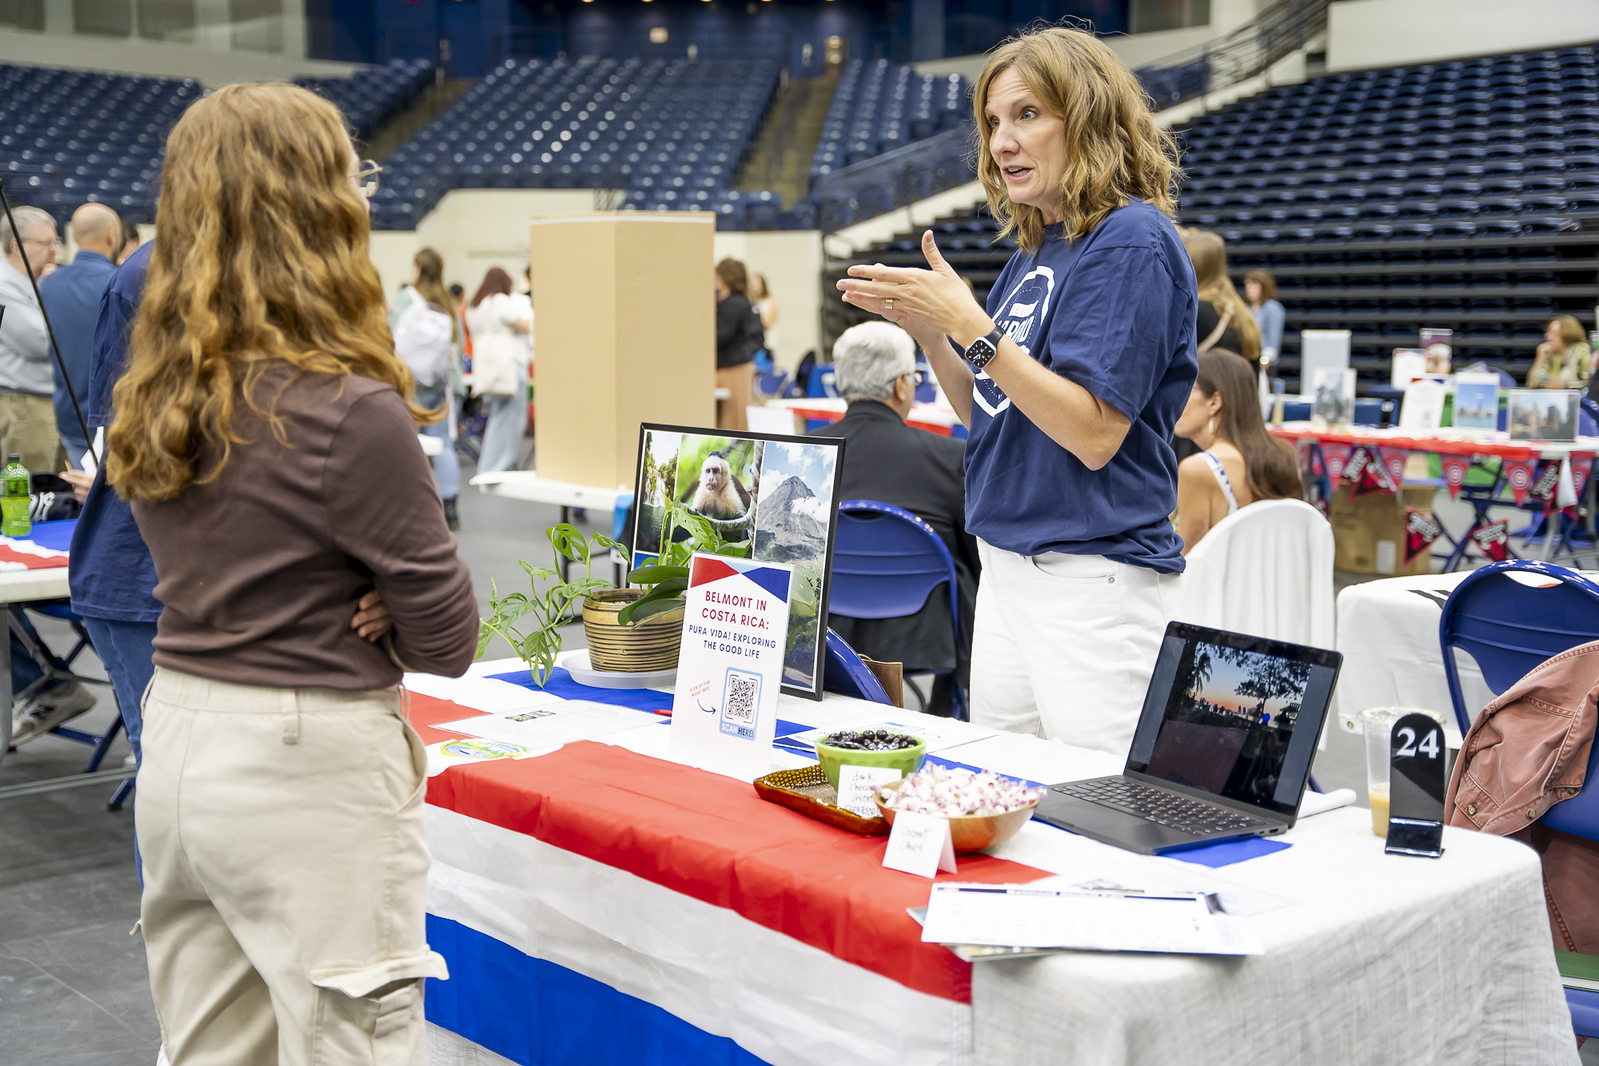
1234,716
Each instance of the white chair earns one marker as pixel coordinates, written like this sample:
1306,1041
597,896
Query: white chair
1265,570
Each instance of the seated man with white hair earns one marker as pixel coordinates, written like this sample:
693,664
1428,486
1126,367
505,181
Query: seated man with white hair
920,472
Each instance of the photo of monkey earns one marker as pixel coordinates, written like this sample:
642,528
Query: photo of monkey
748,496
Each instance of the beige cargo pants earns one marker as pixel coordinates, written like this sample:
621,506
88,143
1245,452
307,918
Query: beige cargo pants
285,868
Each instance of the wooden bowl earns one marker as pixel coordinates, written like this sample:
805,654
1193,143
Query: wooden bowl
971,832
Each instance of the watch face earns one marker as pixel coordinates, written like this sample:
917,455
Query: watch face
981,351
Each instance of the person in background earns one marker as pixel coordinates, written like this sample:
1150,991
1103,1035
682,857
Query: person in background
1070,382
427,287
914,470
1239,462
501,322
765,305
738,337
130,242
458,294
71,297
1564,360
268,446
1260,292
1223,319
27,384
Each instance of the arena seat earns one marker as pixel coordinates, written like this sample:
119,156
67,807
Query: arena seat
371,97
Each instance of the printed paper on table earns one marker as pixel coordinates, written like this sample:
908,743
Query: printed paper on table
730,668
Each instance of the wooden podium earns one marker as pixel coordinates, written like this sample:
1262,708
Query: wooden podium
624,330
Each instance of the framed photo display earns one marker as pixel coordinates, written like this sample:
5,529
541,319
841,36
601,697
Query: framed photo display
757,496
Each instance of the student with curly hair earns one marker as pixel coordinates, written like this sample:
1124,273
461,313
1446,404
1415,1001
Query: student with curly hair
264,433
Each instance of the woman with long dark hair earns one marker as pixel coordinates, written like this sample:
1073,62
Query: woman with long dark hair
501,322
265,435
1239,461
1070,382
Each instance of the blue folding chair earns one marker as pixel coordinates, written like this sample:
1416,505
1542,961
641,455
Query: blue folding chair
843,672
886,563
1508,627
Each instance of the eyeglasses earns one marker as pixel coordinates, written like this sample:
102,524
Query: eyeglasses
51,242
365,179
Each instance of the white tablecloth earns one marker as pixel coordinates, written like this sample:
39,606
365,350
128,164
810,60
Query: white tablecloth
1370,958
1388,633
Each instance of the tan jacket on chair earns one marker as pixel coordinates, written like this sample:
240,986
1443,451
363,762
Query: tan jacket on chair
1527,751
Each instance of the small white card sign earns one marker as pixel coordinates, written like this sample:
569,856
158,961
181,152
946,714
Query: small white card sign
730,668
920,844
858,784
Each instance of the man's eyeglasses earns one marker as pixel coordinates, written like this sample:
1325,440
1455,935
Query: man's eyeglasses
366,178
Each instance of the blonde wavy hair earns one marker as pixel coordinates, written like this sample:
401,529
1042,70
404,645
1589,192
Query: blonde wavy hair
1209,254
1115,153
262,256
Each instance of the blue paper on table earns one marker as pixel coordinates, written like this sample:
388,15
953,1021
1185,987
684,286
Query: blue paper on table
57,536
1230,852
560,684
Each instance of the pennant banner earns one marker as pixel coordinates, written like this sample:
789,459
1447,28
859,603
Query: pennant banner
1455,467
1334,458
1581,469
1368,474
1393,461
1493,539
1546,480
1518,472
1420,532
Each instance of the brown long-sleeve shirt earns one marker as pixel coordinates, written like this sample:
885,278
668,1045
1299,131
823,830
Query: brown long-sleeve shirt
260,570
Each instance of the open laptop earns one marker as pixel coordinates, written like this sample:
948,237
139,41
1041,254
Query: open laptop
1222,751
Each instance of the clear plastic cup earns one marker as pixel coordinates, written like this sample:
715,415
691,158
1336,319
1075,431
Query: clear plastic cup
1378,725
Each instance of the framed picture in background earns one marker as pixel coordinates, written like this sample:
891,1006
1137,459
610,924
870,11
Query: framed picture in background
1543,414
756,496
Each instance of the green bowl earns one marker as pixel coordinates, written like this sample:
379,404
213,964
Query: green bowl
905,760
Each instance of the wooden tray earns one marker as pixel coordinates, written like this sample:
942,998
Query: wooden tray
806,790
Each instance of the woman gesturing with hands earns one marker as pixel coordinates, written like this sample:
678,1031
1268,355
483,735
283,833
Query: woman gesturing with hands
1070,382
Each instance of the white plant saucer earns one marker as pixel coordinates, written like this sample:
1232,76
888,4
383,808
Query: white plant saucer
576,663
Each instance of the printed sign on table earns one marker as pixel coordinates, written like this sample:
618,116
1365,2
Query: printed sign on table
724,711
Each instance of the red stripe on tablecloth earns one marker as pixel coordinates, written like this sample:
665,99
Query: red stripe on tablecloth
714,839
8,554
426,712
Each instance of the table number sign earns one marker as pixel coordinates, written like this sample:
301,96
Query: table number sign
730,668
1417,753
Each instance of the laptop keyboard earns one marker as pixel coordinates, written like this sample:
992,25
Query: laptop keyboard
1171,809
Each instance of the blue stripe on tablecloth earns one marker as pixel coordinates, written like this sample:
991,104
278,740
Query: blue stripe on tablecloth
57,536
536,1013
560,684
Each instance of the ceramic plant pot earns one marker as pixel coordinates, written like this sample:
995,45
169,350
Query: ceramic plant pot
617,648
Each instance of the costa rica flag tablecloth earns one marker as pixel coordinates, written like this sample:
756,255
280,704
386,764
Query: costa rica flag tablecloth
596,905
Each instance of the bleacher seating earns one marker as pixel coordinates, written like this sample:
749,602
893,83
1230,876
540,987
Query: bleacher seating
71,136
1462,195
372,96
880,106
671,133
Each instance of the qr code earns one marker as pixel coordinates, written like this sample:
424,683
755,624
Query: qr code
739,704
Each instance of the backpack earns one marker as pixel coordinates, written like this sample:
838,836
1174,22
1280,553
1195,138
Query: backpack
424,337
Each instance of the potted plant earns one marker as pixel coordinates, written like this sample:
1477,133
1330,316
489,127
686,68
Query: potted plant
665,581
539,641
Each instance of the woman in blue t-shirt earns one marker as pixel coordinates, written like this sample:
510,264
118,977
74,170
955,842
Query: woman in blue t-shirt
1070,383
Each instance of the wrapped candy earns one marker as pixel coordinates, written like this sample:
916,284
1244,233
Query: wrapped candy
956,792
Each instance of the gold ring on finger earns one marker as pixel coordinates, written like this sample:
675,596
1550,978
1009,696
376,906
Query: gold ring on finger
888,305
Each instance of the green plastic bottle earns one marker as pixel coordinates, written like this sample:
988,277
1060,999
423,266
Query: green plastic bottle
14,498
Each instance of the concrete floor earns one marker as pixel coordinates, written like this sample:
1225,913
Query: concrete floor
73,985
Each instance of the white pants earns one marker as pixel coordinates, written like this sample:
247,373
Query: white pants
1063,646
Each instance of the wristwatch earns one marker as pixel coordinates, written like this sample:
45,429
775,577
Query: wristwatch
984,348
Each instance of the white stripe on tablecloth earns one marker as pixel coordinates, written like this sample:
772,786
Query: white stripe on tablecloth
780,999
